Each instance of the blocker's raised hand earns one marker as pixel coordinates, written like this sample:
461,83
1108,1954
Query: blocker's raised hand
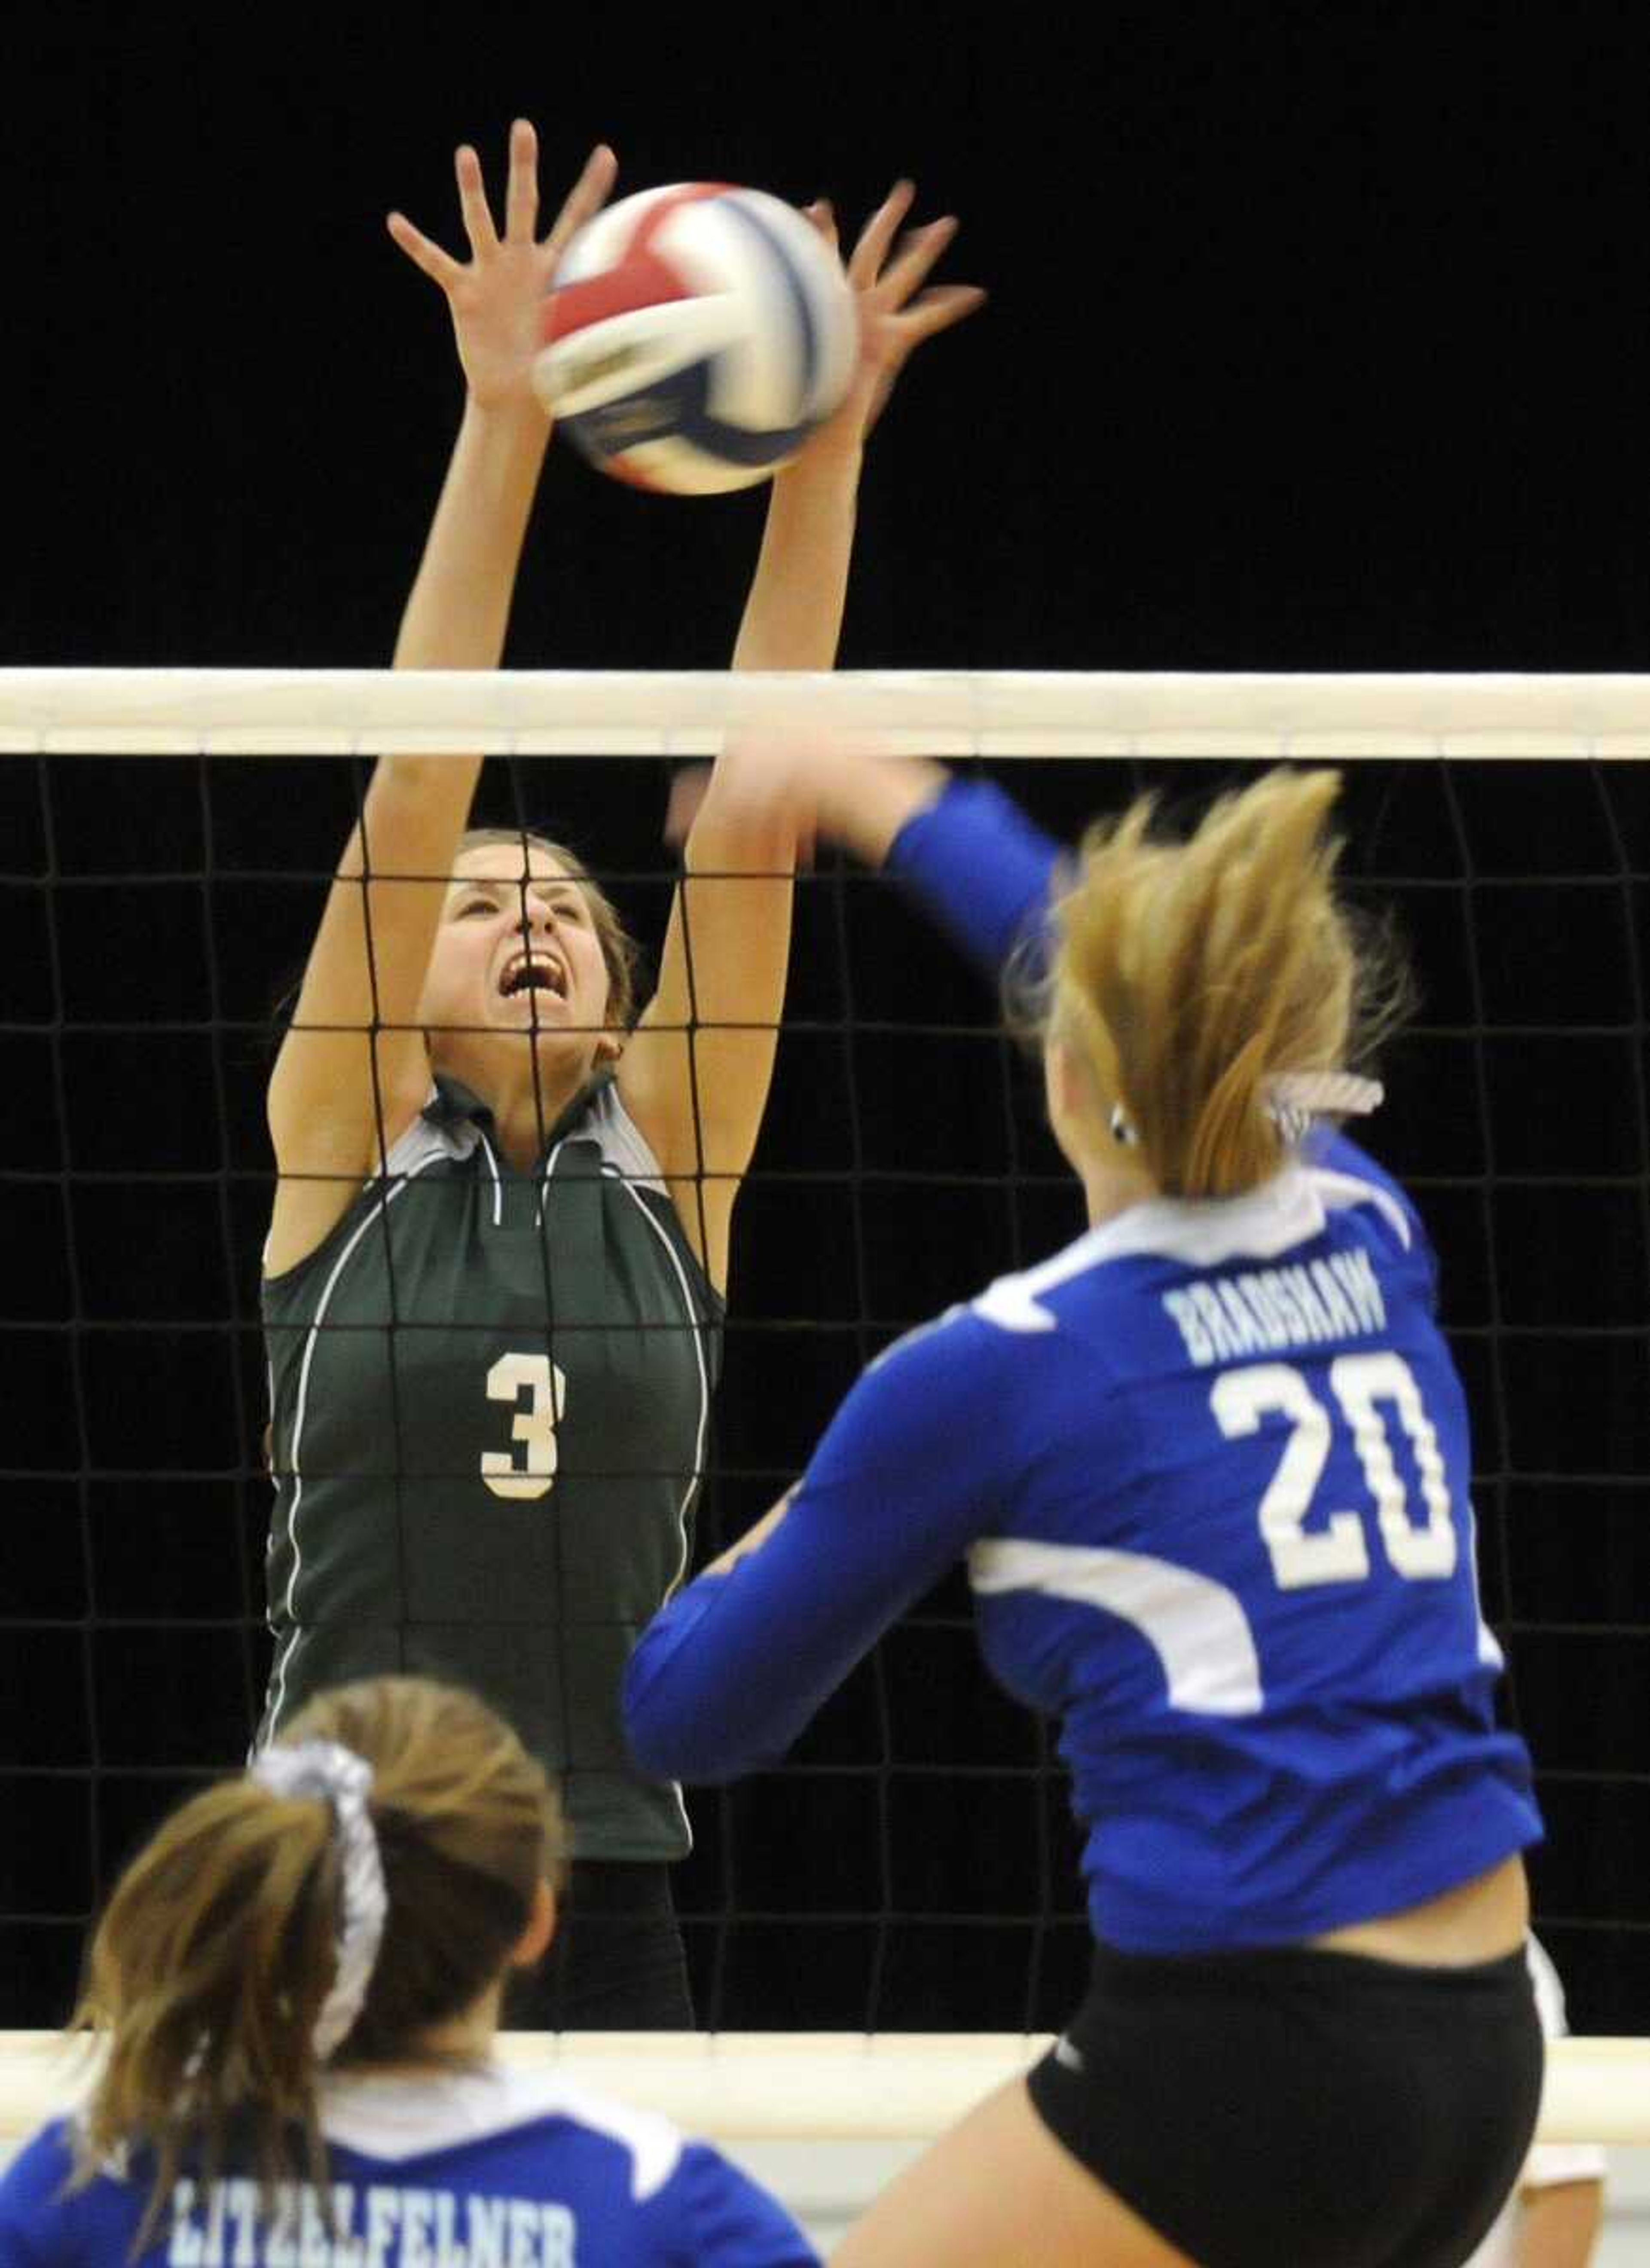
892,321
495,296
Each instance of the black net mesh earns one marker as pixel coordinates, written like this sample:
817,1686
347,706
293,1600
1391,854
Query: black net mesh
914,1863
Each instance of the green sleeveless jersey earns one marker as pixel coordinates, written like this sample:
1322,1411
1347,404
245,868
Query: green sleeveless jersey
490,1395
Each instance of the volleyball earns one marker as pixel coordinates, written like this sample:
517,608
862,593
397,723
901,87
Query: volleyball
694,337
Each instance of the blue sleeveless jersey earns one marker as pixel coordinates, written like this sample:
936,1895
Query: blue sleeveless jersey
1209,1468
487,2169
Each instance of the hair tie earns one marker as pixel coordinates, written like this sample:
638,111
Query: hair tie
342,1779
1292,1100
1295,1098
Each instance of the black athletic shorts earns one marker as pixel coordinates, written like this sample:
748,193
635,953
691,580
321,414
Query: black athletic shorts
616,1963
1301,2110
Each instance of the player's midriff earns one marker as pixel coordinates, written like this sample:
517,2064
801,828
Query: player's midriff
1478,1920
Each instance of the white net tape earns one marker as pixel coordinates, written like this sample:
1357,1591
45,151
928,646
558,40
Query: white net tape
936,712
841,2086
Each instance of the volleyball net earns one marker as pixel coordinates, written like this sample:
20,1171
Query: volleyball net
164,853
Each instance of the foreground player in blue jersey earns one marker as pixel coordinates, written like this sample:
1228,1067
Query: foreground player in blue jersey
299,1981
1209,1470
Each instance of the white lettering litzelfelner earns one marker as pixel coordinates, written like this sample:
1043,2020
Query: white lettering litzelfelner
345,2228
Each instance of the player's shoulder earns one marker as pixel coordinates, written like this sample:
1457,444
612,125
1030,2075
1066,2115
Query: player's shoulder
37,2220
649,2147
45,2157
601,1115
1349,1179
922,1380
394,2119
1076,1290
1078,1301
1033,1303
973,1363
442,1139
632,2170
728,2217
989,1369
1086,1296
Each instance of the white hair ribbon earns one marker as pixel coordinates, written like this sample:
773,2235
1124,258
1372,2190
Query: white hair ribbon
338,1777
1295,1098
1292,1100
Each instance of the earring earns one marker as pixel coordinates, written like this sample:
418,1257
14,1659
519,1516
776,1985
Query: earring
1121,1129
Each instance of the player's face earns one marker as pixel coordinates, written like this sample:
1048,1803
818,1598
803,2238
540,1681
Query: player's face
516,955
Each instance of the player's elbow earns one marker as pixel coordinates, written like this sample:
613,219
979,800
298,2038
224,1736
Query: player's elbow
674,1735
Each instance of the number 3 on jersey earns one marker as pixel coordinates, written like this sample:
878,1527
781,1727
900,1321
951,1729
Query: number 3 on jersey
544,1383
1337,1552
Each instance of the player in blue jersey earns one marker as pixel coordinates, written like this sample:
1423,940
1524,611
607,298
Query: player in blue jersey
1209,1471
494,1274
296,1985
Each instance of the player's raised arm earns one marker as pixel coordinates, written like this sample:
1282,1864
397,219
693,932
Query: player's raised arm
352,1071
982,871
696,1076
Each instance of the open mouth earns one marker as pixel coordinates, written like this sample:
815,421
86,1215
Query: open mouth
532,972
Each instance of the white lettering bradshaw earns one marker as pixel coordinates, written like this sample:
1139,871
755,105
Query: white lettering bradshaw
370,2229
1338,1298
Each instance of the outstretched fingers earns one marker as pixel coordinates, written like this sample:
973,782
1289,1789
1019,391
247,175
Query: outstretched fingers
938,310
439,266
589,193
521,193
820,216
914,261
585,198
878,235
478,220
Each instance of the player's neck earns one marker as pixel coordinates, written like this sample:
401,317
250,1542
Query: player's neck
1109,1188
465,2039
525,1088
525,1110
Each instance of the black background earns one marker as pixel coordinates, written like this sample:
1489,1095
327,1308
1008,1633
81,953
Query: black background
1317,340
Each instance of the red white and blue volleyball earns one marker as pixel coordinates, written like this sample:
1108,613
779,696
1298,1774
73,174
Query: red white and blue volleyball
694,337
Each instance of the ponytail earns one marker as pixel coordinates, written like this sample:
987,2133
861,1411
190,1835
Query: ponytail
1201,980
365,1882
208,1973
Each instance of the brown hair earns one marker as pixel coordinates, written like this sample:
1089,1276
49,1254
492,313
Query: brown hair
210,1965
619,949
1188,974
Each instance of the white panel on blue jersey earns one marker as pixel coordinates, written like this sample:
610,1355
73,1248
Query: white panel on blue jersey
1489,1646
1291,1209
394,2119
1340,1190
1196,1627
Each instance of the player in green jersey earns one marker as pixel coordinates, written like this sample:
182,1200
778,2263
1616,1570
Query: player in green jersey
495,1268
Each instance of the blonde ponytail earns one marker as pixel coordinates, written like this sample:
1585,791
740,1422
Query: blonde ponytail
1192,976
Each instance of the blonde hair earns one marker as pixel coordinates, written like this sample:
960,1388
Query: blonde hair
1189,974
620,952
208,1971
